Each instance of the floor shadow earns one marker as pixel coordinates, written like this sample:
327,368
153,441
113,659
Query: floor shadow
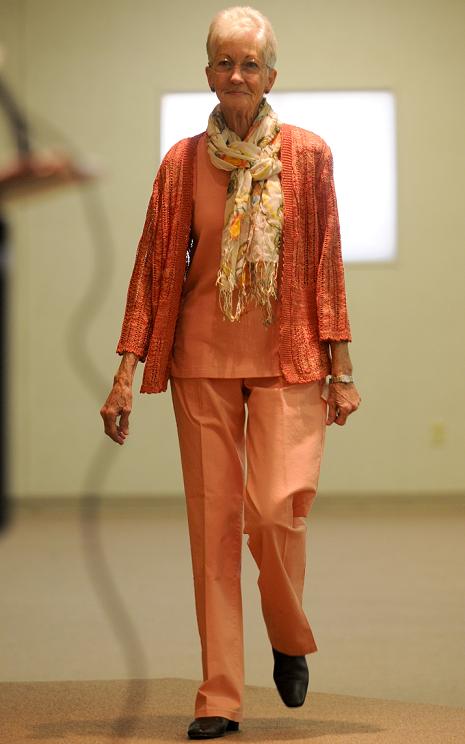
174,728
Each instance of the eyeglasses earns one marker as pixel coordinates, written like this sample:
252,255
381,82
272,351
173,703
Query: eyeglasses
249,68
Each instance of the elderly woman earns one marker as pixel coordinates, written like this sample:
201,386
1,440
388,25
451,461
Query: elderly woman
237,298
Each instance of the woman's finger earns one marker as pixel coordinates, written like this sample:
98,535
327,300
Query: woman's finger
109,425
341,416
123,426
112,431
331,412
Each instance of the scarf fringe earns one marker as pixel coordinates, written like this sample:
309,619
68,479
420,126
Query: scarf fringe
257,283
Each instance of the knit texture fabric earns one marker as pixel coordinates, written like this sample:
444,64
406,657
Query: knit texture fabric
311,288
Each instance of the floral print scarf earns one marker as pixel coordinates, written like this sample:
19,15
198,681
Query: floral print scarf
254,211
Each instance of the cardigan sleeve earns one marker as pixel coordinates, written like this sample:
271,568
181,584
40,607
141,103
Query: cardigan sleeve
138,315
333,320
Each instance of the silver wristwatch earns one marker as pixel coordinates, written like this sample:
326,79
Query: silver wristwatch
340,378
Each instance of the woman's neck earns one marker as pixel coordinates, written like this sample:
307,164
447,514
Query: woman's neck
239,122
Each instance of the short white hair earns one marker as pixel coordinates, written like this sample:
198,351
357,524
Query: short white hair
233,22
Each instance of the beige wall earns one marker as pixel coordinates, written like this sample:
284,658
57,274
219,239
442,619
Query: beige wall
96,70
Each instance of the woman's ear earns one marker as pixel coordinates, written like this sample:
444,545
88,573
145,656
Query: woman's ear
271,78
209,74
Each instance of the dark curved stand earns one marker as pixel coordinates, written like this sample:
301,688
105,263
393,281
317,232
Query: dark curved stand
5,503
25,175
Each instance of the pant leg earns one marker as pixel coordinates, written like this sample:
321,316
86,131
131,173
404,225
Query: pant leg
284,444
210,417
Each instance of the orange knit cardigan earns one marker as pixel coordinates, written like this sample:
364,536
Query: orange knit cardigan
311,287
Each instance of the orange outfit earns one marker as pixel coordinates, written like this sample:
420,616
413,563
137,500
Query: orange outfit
218,367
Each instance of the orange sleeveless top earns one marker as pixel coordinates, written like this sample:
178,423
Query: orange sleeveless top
205,343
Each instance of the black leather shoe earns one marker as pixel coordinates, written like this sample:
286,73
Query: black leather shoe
290,675
209,727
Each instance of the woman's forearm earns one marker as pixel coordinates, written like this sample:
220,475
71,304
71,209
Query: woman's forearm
340,358
127,367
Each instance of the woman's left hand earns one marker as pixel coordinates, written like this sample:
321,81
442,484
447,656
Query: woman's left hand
343,399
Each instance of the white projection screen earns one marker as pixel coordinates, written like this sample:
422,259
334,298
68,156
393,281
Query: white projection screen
359,127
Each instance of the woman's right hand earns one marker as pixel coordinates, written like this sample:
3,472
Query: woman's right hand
118,404
119,401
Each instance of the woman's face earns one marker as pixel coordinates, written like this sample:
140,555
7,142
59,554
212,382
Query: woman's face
240,89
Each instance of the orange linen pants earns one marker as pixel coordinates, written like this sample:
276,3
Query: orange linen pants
259,480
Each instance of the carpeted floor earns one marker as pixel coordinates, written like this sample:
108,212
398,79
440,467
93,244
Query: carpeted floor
95,712
384,592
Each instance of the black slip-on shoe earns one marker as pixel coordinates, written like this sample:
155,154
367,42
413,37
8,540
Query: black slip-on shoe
209,727
290,674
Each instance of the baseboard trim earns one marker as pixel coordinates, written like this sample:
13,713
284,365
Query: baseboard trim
177,501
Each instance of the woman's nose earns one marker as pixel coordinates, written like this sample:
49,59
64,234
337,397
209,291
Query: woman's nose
236,74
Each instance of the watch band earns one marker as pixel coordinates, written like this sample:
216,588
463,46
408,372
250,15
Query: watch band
340,378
